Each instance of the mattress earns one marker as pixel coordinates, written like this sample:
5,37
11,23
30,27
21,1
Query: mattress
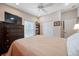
38,46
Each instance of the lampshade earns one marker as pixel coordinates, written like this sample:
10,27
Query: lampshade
76,27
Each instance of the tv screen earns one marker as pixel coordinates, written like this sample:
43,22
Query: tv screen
12,18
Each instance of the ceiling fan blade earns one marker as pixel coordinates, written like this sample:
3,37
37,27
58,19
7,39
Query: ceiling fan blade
41,6
44,10
48,5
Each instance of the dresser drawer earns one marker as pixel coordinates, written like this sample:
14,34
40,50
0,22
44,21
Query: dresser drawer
15,31
6,42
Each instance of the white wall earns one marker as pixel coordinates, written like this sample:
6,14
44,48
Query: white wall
69,18
47,24
47,21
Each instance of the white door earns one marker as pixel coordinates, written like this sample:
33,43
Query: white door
68,27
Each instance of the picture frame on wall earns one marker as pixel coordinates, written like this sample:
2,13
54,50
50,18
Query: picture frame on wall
57,23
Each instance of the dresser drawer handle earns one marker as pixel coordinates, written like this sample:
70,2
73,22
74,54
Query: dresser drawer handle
7,40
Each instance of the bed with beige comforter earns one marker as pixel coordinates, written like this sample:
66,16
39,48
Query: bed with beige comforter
38,46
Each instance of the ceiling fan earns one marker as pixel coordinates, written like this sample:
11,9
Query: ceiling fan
42,6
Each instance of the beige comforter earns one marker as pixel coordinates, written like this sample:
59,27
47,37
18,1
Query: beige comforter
38,45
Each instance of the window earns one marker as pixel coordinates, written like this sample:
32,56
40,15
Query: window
29,28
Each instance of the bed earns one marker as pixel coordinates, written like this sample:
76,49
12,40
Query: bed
38,46
73,45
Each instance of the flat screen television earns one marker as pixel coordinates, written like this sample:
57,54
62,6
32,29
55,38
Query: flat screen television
12,18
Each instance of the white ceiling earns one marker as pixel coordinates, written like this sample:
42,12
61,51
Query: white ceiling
32,8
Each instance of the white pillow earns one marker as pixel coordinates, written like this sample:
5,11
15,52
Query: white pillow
73,45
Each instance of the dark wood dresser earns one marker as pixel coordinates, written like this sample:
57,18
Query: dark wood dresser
9,32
